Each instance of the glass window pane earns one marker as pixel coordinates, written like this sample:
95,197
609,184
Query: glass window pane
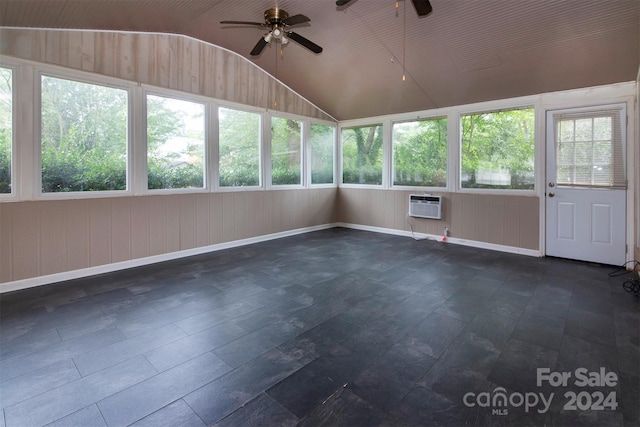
602,127
584,130
584,153
286,149
175,143
239,139
84,136
6,129
592,163
322,152
497,150
565,154
362,155
420,153
566,131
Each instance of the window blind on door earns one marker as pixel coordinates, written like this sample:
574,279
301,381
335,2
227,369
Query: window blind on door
589,149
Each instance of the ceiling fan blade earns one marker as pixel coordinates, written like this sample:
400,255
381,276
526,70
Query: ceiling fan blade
257,49
304,42
243,23
342,2
423,7
295,20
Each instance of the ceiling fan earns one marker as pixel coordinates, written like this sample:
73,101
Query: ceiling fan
423,7
277,20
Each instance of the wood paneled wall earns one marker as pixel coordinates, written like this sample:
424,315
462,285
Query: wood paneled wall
46,237
496,219
164,60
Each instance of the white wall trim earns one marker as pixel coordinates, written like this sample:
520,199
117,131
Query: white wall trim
453,240
139,262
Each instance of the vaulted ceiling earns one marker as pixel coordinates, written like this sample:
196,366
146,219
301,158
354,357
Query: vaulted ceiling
465,51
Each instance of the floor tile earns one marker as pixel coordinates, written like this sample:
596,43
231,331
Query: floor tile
177,413
148,396
104,357
69,398
261,411
89,416
224,395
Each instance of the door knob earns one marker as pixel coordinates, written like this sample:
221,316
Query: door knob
552,194
552,184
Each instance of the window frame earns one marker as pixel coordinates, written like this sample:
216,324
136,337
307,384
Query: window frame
91,79
525,104
206,169
420,188
13,195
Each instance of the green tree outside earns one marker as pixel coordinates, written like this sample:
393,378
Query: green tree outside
239,148
497,149
362,155
420,153
84,136
6,129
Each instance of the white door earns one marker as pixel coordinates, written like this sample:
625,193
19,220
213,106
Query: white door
586,184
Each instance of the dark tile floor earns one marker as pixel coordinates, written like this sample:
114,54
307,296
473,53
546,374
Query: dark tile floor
337,327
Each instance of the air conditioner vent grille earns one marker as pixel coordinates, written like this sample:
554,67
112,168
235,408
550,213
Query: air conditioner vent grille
425,206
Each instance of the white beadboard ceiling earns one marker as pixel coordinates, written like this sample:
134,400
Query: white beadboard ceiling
466,51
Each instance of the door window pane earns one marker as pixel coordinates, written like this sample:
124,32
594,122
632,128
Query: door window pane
497,150
420,153
6,129
589,149
362,155
84,136
322,152
175,143
286,151
239,142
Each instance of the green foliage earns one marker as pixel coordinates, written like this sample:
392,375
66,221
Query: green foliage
286,143
497,149
322,152
84,136
362,155
5,129
5,160
420,153
239,148
175,143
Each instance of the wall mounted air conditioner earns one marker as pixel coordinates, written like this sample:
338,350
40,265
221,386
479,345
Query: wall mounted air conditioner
425,206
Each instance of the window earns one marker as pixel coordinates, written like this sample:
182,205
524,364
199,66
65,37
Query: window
322,152
175,143
589,149
497,150
286,151
239,145
420,153
6,129
362,155
84,136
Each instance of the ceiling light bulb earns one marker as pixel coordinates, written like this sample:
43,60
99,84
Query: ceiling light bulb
277,32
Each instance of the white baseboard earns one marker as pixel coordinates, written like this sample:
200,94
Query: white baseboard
452,240
139,262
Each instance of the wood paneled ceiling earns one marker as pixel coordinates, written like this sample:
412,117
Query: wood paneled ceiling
466,51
